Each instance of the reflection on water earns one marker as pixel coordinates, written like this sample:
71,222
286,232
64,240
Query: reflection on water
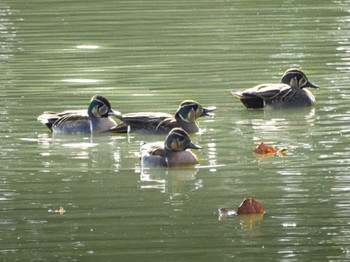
7,41
246,221
177,183
92,152
176,179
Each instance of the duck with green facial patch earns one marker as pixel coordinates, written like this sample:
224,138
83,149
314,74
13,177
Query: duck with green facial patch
289,93
163,123
174,151
93,120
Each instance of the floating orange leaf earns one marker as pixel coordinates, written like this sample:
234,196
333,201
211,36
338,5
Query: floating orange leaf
264,149
250,206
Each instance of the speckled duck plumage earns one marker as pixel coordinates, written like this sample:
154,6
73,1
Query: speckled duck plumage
174,151
93,120
289,93
163,123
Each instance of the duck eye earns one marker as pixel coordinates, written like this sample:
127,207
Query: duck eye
180,139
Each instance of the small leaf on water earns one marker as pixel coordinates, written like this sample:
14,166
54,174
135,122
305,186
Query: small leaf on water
264,149
250,206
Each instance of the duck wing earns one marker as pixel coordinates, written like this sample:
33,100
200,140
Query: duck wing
154,154
48,118
264,94
72,123
266,91
145,122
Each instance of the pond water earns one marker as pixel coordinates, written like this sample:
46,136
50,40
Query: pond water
86,198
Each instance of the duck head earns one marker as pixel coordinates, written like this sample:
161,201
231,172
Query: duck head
101,107
178,140
296,78
190,110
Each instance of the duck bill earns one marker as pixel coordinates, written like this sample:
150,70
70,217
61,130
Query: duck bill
312,85
194,146
116,114
207,111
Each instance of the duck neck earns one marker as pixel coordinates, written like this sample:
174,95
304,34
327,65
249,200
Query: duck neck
189,127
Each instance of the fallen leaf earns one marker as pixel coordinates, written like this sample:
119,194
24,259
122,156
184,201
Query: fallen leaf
264,149
250,206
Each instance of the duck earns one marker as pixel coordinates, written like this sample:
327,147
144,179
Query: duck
163,123
93,120
289,93
174,151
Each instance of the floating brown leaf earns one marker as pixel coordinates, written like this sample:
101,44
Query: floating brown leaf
250,206
264,149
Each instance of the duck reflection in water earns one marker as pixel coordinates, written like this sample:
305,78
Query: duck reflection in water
176,183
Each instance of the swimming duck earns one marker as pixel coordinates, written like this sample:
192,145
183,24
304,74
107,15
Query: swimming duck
163,123
93,120
175,151
289,93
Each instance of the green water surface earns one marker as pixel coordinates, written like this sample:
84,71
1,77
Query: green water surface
149,56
